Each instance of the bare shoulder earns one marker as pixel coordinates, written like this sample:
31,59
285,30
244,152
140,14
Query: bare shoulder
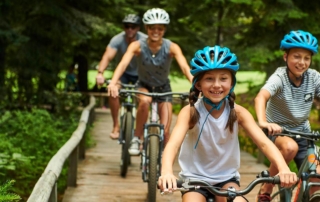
183,118
242,113
134,47
185,111
174,48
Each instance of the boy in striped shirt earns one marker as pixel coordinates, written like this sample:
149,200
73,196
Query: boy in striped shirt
286,100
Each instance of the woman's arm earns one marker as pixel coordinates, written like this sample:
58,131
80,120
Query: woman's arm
183,64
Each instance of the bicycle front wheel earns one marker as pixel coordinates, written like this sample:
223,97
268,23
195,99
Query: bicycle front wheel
277,194
153,150
125,156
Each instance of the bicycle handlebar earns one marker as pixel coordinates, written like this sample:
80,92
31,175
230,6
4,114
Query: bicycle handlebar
313,135
182,95
193,184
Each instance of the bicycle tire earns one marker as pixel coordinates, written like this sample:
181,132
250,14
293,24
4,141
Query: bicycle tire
125,156
153,148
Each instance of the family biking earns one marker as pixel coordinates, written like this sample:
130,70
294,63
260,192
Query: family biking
211,126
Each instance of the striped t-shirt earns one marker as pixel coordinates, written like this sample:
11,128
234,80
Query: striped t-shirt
289,106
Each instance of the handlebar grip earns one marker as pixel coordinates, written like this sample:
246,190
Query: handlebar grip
276,180
179,183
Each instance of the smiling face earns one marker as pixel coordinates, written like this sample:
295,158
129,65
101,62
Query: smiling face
298,61
131,30
215,84
155,32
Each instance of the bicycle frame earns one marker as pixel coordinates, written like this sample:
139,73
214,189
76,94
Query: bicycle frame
153,128
127,119
306,171
153,144
127,106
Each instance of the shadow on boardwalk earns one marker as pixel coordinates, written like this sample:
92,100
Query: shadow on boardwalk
99,174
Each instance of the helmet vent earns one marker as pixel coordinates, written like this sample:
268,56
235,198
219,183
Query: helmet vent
203,56
198,63
226,60
211,55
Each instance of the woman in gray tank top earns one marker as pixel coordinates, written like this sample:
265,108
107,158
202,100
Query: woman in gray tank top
154,56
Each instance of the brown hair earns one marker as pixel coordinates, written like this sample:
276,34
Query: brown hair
193,98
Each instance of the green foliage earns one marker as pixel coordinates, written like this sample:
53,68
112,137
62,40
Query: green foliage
39,39
32,138
5,195
63,103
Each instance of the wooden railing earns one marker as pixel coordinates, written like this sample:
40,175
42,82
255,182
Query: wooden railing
45,189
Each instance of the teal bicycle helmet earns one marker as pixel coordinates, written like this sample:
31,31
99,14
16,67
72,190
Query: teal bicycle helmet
211,58
300,39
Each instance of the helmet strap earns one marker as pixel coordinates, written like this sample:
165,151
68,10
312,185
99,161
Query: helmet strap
214,107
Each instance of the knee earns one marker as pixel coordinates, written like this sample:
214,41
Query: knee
144,103
289,150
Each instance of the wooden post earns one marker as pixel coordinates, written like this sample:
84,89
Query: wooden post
101,101
82,147
54,194
73,165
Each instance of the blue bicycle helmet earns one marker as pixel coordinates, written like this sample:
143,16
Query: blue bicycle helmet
211,58
300,39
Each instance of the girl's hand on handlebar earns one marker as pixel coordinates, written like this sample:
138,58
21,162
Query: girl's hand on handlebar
288,178
167,183
273,128
113,90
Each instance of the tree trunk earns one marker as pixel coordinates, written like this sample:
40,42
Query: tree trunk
3,47
82,63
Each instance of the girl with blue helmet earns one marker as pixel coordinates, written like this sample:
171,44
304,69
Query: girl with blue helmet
286,99
206,131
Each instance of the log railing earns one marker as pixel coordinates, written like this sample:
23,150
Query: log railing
74,149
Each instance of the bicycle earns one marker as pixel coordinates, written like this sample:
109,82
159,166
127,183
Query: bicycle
231,193
306,171
153,143
127,118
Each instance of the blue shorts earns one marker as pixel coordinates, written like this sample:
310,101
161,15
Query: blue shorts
127,78
302,151
208,194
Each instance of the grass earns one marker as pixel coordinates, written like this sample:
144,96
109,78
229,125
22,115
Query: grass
245,79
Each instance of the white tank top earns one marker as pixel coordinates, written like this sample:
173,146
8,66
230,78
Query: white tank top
217,156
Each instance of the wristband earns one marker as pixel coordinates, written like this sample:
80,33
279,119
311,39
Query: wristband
100,72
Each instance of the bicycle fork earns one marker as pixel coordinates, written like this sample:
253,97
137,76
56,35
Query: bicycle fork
145,155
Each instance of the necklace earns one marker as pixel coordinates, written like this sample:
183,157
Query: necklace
153,54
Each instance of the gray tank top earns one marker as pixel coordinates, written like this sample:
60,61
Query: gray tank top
154,71
119,43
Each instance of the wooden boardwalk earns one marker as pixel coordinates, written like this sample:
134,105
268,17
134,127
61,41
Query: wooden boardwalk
99,173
